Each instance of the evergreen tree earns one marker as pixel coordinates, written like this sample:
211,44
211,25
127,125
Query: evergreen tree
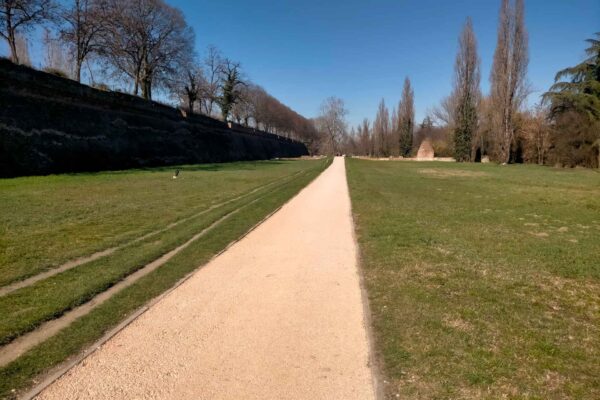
406,119
230,88
582,92
467,93
465,129
575,110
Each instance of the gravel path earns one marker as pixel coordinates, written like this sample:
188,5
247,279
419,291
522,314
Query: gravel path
277,316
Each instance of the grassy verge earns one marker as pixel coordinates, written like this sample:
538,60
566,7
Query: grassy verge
21,373
46,221
484,281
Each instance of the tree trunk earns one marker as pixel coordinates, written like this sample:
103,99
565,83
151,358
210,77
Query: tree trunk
138,72
507,135
78,70
597,146
147,89
14,56
473,152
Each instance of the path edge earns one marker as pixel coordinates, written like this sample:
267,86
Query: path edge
57,372
375,361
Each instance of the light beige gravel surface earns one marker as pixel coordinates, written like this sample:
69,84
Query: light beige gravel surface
277,316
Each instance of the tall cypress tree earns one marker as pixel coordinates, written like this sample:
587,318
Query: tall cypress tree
466,125
466,90
406,119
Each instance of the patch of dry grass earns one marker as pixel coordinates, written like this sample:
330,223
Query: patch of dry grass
449,173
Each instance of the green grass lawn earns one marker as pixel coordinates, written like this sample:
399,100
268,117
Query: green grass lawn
483,280
26,308
46,221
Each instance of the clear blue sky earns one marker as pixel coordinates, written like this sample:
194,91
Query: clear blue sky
306,50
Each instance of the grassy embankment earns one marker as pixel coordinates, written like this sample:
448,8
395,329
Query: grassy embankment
484,281
109,209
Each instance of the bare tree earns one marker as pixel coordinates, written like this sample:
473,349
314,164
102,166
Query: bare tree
213,68
19,17
467,93
186,85
260,100
83,25
364,138
382,131
406,119
536,132
192,89
259,109
509,75
394,135
22,48
332,122
243,109
443,114
56,59
349,144
147,41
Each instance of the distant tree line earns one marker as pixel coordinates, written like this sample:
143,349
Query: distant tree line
390,134
147,46
563,129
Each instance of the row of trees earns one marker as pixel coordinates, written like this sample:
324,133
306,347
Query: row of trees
563,129
391,134
462,131
474,125
258,108
147,45
144,41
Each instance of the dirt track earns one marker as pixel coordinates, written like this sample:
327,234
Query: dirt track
277,316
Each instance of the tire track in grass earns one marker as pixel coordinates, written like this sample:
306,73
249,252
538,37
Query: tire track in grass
103,253
20,345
